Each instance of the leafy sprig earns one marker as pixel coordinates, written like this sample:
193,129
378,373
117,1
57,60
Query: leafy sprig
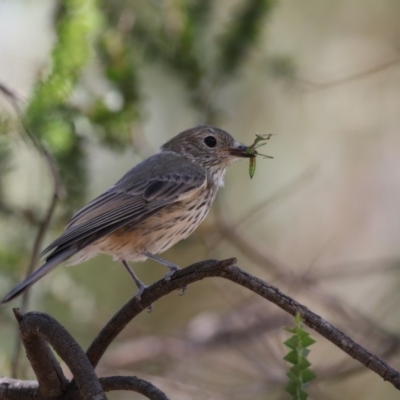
299,374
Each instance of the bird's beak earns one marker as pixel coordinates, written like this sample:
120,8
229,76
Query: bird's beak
239,150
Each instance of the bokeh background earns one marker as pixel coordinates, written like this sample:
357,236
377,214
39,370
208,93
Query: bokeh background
103,84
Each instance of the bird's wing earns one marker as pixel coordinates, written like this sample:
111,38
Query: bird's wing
130,201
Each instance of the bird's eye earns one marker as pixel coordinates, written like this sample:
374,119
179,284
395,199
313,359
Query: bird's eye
210,141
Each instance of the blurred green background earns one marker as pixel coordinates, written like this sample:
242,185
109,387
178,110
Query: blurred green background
104,84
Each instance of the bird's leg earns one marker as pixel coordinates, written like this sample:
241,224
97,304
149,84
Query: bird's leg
172,268
141,286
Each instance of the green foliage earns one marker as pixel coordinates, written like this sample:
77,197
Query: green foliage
299,374
4,164
113,122
243,33
50,116
176,45
76,26
282,66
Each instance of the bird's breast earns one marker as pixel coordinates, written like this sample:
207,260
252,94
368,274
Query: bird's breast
215,176
160,231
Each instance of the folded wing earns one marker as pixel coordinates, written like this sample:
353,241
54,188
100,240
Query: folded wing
130,202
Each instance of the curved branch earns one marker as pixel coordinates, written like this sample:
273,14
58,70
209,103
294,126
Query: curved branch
134,384
133,307
14,389
225,269
52,381
36,329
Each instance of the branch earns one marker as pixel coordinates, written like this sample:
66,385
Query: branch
52,381
14,389
134,384
39,328
225,269
133,307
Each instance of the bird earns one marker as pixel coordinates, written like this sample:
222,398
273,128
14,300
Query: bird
157,203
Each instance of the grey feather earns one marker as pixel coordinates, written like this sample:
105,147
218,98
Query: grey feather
143,191
39,273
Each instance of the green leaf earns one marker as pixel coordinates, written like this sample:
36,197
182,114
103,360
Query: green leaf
303,362
292,343
291,388
307,341
308,375
304,352
295,392
302,395
292,357
299,374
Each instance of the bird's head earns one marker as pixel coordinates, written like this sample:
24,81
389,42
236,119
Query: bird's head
208,146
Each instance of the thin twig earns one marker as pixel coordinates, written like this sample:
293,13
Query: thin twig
58,194
350,78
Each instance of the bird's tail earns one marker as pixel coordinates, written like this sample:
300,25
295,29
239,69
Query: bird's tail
50,264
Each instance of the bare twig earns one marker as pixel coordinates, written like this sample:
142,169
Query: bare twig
350,78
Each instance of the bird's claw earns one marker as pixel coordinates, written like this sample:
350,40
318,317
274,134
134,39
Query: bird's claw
171,271
182,290
138,296
139,293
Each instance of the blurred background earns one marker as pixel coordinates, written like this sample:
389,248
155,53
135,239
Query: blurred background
103,84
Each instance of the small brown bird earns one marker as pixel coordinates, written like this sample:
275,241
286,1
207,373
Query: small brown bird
159,202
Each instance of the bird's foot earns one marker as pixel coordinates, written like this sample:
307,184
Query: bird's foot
172,269
139,293
182,290
141,286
